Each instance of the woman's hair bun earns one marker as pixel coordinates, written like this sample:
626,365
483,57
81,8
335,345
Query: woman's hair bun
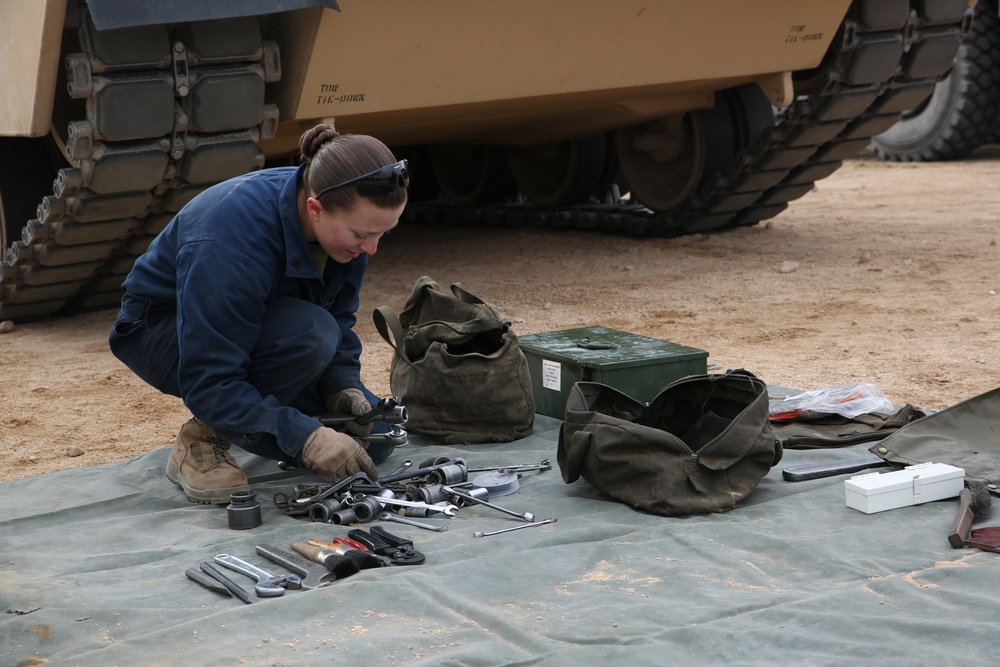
314,139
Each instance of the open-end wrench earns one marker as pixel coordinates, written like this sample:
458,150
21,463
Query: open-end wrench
389,516
445,508
268,585
507,530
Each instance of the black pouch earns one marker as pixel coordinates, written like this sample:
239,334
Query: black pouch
701,445
457,367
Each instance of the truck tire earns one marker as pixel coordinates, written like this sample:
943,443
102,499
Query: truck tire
963,112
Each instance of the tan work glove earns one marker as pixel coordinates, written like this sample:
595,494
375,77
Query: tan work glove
335,455
353,402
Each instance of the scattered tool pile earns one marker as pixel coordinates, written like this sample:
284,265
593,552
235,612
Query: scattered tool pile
437,487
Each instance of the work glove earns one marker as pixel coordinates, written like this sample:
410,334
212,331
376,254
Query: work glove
352,402
336,455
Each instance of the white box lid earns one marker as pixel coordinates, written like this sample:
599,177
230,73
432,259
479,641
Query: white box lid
877,483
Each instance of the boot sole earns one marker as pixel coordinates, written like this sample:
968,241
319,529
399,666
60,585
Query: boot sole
203,496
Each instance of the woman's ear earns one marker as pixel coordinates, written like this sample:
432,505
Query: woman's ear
314,208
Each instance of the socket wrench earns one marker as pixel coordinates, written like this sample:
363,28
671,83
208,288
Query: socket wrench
523,516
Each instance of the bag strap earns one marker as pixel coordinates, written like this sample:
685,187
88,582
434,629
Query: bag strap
388,325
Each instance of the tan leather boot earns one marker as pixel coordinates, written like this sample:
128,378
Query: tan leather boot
200,464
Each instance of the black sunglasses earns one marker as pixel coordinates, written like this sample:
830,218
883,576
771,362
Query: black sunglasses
382,181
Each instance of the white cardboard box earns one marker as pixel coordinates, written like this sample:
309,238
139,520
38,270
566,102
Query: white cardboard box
921,483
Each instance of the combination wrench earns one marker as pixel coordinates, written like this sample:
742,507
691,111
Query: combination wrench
445,508
389,516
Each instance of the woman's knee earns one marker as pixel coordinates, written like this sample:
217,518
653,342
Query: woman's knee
297,336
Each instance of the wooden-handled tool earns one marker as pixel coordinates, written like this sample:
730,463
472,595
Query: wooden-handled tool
974,500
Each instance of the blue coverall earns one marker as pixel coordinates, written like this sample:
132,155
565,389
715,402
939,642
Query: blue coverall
227,310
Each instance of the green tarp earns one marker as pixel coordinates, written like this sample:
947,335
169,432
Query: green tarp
93,561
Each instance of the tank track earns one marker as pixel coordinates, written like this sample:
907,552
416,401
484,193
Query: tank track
168,112
969,121
131,177
885,60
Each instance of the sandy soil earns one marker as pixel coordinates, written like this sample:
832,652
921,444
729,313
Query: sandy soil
886,273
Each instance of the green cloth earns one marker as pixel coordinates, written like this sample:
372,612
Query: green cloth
93,565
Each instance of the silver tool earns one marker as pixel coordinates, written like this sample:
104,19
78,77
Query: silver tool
268,585
233,587
314,575
397,437
542,465
389,516
403,466
446,508
523,516
211,583
507,530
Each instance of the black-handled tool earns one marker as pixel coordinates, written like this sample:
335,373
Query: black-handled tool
804,471
208,582
233,587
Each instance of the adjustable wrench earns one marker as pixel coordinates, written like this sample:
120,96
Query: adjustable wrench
313,574
389,516
268,585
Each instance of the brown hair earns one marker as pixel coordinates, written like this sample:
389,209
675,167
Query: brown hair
334,158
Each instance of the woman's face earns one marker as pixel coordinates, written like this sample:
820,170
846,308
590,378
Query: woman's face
346,234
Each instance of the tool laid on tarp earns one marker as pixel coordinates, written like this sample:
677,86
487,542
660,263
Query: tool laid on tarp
398,550
437,487
480,533
313,575
987,539
230,585
974,503
268,585
806,471
208,582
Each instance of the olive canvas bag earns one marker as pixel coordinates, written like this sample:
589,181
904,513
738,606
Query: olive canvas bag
457,366
701,445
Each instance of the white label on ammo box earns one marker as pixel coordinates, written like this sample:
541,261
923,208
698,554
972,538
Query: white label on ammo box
551,374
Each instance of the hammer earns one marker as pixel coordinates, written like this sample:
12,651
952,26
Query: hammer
974,501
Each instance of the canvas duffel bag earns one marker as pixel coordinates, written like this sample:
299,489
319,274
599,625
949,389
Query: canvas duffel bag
701,445
457,367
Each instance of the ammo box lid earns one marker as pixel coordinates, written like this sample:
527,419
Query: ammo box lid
603,348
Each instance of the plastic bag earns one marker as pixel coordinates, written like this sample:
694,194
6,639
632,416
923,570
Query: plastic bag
846,400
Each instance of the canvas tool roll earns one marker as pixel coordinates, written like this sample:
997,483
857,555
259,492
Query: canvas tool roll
457,367
701,445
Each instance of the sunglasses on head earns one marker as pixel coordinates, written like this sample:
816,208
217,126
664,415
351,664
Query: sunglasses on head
382,181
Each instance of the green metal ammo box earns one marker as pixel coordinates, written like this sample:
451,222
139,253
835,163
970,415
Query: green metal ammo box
636,365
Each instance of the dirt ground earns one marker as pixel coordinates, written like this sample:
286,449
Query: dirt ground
886,273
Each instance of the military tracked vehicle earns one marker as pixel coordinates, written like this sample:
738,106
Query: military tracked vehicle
707,115
963,113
